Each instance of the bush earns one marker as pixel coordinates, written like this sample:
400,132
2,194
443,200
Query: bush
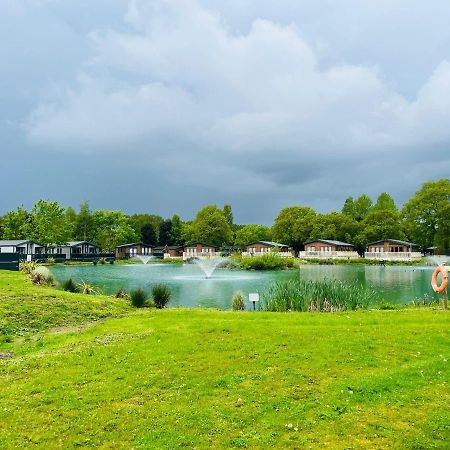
138,298
69,285
102,261
51,261
88,289
238,301
161,295
121,293
42,276
316,296
28,267
268,261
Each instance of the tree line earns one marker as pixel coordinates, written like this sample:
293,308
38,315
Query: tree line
424,220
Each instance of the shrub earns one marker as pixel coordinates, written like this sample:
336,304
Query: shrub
27,267
42,276
69,285
161,295
238,301
121,293
111,261
95,262
317,296
138,298
51,261
102,261
88,289
268,261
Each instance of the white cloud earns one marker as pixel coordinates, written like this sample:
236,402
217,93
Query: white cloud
181,83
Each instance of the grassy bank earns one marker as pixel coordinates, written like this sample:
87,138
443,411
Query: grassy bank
196,378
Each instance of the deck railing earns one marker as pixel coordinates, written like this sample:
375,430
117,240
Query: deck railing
201,255
327,255
393,256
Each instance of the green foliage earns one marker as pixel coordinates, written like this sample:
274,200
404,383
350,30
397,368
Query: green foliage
88,289
69,286
361,207
161,295
165,233
251,233
336,226
84,224
268,261
148,234
139,221
50,261
50,224
210,226
238,301
17,224
27,267
293,226
385,203
427,214
228,213
138,298
112,228
316,296
177,231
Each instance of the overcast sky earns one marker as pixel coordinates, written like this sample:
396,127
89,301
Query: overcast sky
165,106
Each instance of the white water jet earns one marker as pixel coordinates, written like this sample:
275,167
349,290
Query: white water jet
437,260
209,264
144,258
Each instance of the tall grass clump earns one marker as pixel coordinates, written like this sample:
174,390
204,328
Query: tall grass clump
42,276
161,295
69,286
316,296
238,301
138,298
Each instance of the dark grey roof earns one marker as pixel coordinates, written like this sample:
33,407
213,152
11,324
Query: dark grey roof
329,241
200,243
393,241
14,243
75,243
269,243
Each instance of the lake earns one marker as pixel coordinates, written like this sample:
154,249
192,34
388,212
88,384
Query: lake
396,284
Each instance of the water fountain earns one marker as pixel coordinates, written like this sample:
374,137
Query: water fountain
144,258
209,264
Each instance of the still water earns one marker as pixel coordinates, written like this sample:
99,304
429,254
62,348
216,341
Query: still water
189,287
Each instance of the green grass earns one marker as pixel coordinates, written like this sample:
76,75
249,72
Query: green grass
164,379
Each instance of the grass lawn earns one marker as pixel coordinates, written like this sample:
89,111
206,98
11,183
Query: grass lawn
210,379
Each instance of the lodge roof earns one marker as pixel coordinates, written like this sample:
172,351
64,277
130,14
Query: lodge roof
330,241
135,243
14,243
393,241
269,243
200,243
76,243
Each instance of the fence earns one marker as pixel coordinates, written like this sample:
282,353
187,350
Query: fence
10,261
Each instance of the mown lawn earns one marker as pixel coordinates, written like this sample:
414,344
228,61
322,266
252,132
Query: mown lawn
210,379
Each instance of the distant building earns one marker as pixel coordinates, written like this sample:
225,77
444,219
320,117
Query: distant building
326,248
170,251
133,249
392,249
258,248
23,247
74,249
199,250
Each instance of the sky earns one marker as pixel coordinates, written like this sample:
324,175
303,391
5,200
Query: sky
164,106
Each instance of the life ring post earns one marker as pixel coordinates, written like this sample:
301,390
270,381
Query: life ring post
442,288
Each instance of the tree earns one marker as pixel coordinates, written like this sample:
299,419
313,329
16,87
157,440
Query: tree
165,233
227,210
349,207
112,228
211,226
71,217
426,213
17,224
148,234
84,226
50,224
384,203
138,221
250,233
336,226
177,230
362,206
293,226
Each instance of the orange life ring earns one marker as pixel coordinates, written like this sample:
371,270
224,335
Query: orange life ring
440,289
